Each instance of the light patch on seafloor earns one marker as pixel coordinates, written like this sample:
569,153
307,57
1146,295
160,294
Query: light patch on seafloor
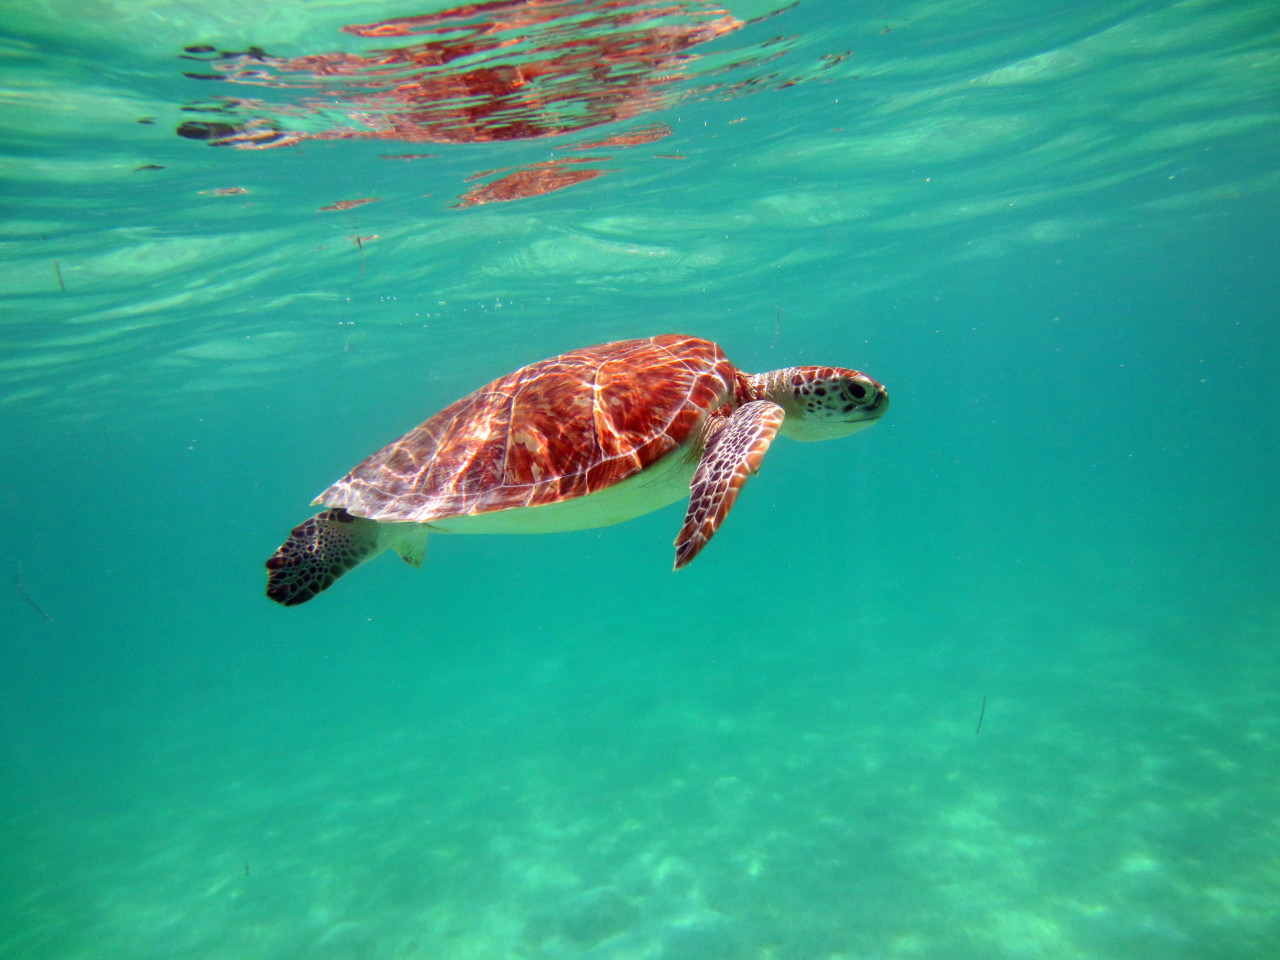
400,853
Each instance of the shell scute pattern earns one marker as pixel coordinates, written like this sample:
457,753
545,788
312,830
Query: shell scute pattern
553,430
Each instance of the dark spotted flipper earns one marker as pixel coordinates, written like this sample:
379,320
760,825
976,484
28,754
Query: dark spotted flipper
733,453
317,553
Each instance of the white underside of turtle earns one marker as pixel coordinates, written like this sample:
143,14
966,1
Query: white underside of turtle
659,486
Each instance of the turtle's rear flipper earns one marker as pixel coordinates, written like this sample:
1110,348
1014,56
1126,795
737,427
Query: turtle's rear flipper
317,553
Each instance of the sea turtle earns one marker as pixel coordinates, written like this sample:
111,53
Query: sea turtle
586,439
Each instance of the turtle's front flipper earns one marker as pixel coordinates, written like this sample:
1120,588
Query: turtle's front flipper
732,453
317,553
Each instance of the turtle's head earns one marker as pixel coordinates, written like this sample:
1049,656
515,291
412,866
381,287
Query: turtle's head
823,403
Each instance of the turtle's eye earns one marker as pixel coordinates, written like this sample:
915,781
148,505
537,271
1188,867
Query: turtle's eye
858,390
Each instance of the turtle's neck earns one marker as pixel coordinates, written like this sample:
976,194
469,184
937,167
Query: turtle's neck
773,385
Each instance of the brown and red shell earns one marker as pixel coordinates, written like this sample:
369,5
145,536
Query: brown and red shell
554,430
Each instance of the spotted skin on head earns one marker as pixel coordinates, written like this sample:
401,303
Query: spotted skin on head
733,453
317,553
830,393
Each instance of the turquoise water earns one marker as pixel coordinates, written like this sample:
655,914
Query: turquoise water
1050,230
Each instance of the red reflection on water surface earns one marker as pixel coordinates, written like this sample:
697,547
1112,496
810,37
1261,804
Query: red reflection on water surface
506,70
481,72
632,138
531,181
348,204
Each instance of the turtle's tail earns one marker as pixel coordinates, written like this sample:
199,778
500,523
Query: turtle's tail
317,553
